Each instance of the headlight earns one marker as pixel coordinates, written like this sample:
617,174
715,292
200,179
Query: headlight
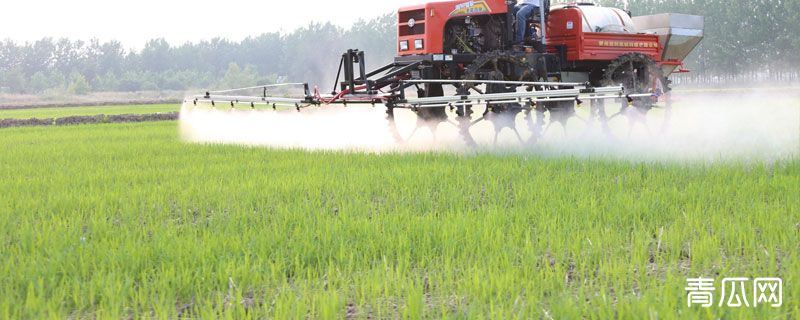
418,44
404,45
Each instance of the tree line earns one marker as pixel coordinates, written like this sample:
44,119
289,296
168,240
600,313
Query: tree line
76,66
742,38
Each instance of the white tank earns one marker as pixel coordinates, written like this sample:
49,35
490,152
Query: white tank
603,19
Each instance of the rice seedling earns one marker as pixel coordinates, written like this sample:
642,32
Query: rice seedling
125,220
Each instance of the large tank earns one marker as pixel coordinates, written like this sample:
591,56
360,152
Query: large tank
602,19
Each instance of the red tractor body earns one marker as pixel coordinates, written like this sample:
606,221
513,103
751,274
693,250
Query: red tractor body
421,29
426,22
569,27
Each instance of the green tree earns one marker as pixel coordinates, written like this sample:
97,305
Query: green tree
39,82
156,55
14,80
78,84
38,56
237,77
107,82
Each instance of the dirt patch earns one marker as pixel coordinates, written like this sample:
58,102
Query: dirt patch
81,120
74,120
11,123
142,117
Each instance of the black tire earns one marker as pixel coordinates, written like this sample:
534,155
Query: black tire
426,117
437,113
637,73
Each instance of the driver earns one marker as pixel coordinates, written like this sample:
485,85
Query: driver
525,10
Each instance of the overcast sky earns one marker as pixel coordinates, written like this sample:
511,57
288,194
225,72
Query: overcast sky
178,21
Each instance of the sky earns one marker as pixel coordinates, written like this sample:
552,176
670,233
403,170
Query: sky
178,21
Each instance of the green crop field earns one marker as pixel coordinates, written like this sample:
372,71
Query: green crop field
127,221
43,113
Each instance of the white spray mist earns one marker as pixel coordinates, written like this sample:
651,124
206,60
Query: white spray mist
704,126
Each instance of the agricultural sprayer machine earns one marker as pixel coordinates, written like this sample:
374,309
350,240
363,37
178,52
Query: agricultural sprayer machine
457,63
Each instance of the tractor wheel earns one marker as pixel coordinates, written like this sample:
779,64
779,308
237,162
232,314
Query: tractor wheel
495,67
429,118
638,74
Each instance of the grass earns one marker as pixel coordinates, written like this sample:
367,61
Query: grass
44,113
124,220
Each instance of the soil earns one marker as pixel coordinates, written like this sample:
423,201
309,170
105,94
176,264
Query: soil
81,120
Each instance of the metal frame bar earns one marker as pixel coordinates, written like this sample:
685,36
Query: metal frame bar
543,22
386,79
522,83
495,96
522,97
248,99
260,87
381,69
274,105
577,91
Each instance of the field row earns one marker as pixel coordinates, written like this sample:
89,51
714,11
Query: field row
60,112
78,120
